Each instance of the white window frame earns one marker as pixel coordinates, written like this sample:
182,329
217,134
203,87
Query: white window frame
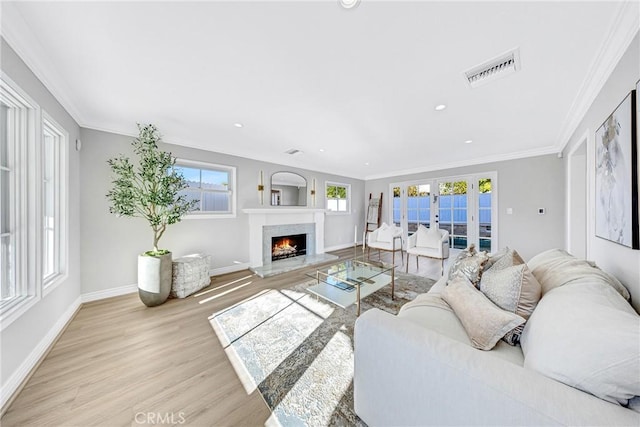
232,186
328,184
25,124
61,172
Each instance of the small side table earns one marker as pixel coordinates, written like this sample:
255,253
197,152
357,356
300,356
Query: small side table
190,274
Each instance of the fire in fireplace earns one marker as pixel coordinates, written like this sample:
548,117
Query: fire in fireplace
283,247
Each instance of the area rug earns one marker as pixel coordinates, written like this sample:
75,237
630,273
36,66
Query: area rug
297,350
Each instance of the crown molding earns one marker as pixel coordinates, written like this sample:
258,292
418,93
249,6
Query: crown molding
622,31
470,162
18,35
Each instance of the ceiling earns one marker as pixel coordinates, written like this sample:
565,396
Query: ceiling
360,84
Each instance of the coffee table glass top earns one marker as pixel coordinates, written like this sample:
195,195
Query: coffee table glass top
338,282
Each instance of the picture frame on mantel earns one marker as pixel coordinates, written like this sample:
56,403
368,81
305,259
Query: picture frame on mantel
617,176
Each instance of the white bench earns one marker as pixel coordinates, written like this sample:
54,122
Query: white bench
190,274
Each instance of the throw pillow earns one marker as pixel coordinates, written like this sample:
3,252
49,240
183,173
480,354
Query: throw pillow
385,233
470,264
586,336
428,237
484,322
495,257
556,267
503,258
513,288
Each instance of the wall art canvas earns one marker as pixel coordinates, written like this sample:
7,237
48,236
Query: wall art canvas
616,167
637,141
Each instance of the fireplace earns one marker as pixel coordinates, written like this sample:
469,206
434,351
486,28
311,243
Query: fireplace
267,223
303,234
283,247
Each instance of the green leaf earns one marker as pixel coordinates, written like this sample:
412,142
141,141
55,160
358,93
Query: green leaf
150,188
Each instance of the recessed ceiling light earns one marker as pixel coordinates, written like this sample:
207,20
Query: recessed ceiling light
238,125
440,107
348,4
321,150
468,141
366,164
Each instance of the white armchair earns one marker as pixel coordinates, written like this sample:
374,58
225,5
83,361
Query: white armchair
429,243
386,238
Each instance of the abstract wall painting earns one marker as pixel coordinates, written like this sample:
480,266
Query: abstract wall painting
617,176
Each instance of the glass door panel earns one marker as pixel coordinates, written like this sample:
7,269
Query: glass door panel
485,233
411,206
418,207
397,207
453,212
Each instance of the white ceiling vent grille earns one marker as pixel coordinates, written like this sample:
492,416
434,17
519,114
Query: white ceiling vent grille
293,152
503,65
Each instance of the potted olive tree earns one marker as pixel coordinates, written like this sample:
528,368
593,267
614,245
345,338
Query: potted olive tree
150,190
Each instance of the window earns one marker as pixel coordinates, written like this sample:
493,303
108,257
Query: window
7,229
54,254
33,202
212,185
19,289
338,197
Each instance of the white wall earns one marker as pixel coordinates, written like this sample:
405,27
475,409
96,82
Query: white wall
523,185
24,340
621,261
110,245
577,201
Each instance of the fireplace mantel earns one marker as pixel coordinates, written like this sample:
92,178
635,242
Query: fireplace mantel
281,211
260,217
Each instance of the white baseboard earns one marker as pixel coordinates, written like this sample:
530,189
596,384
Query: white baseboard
108,293
229,269
129,289
25,369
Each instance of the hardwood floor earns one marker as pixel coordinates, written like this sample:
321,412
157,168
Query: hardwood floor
120,363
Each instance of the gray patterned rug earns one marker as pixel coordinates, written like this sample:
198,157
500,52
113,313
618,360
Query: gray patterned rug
298,351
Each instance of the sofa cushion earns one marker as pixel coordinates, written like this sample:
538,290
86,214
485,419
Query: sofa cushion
484,322
430,311
439,286
513,288
470,264
556,267
588,337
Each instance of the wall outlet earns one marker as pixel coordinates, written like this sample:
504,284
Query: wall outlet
509,211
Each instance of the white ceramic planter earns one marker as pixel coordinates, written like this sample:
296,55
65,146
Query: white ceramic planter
154,278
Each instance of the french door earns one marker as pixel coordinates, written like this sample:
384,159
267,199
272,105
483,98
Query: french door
464,206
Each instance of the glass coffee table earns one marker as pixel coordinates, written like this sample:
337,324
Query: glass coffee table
347,282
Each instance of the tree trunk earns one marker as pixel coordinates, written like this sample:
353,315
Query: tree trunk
156,237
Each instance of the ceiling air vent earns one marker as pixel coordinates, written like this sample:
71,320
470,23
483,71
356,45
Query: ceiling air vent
492,69
293,151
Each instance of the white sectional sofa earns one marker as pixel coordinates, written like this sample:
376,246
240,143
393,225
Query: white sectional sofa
419,368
